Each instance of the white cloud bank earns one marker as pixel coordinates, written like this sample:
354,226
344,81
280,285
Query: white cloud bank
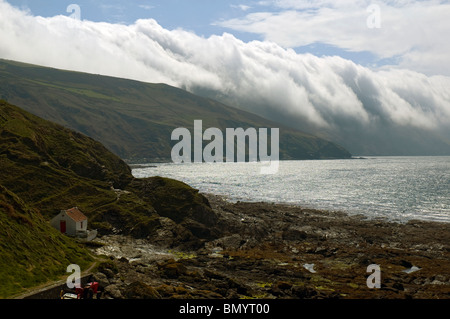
416,33
328,94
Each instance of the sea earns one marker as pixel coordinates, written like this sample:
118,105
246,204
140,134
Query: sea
394,188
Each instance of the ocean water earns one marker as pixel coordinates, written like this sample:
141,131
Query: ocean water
396,188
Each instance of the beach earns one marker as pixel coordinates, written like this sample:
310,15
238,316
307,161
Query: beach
264,251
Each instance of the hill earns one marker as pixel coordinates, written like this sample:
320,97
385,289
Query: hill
32,252
134,119
45,168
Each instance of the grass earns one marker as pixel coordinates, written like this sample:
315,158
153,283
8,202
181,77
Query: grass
264,284
80,91
47,168
135,119
31,251
182,255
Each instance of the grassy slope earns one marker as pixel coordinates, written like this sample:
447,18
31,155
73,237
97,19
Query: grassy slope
44,168
42,161
135,119
53,168
31,251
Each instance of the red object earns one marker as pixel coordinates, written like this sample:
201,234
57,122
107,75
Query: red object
79,292
94,286
62,226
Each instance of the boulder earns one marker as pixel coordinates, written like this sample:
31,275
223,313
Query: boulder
113,291
139,290
172,269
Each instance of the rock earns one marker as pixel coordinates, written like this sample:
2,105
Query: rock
171,235
173,269
441,278
139,290
405,264
205,294
234,241
281,288
101,279
303,292
165,291
108,273
398,286
113,291
198,229
418,281
179,202
293,234
269,250
181,291
309,267
276,291
284,285
108,268
141,269
240,287
411,270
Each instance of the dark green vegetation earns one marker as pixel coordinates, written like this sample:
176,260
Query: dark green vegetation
134,119
45,168
31,252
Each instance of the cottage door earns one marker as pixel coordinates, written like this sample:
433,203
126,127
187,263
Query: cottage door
62,226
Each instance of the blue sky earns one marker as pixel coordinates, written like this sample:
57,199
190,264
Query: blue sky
411,34
200,16
196,15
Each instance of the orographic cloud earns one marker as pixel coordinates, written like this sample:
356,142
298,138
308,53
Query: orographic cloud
320,94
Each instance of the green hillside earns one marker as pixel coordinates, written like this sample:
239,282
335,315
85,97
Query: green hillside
44,168
134,119
31,252
41,161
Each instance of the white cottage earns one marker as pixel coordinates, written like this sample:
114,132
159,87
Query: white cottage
71,222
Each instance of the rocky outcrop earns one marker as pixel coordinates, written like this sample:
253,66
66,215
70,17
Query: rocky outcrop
187,217
262,250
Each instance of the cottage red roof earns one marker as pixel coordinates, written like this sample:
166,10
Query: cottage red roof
76,214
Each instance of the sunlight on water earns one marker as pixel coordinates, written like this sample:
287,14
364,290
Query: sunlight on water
399,188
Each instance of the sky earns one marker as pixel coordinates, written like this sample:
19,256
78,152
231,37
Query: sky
342,68
406,29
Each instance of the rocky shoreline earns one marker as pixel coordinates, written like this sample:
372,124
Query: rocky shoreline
267,251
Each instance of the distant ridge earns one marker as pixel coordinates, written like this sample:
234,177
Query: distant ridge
134,119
